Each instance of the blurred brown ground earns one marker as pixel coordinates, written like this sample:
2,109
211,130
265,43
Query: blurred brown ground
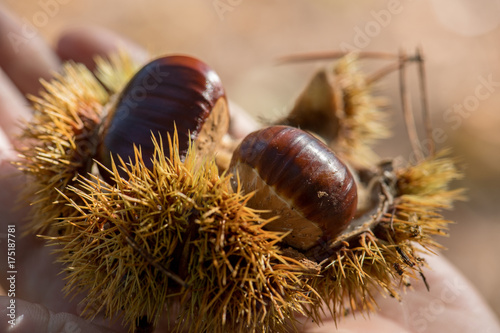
242,40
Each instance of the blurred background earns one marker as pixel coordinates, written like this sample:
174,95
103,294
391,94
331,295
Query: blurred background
242,40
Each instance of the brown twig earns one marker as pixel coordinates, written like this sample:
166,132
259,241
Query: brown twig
407,111
424,100
390,68
294,58
382,72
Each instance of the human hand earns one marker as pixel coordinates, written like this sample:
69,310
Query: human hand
451,305
40,304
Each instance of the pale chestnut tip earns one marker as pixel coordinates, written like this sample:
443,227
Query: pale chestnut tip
299,179
172,92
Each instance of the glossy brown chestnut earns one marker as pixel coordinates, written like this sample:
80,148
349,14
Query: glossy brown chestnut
299,179
170,90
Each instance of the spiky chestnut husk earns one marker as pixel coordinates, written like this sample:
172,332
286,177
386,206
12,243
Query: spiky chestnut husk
239,276
185,219
338,105
61,137
125,224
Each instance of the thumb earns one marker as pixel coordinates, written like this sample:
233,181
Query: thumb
19,316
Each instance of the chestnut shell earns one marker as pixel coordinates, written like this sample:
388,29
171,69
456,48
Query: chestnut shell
304,173
170,91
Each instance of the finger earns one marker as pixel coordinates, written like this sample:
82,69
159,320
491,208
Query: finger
452,304
372,324
11,182
13,107
28,317
7,152
83,44
24,56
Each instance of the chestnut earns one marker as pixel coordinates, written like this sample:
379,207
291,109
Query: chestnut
171,92
299,179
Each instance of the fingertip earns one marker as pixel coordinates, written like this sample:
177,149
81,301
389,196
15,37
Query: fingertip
83,44
22,316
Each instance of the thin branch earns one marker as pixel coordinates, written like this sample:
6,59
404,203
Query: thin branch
294,58
391,68
382,72
407,110
424,101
